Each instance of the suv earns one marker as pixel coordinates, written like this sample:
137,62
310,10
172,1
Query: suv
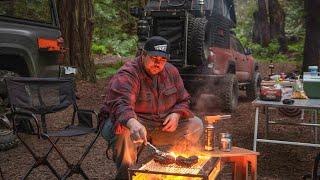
30,45
209,57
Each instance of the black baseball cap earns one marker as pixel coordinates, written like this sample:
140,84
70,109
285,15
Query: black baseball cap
157,46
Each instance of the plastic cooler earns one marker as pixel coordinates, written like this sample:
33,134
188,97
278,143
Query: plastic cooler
311,85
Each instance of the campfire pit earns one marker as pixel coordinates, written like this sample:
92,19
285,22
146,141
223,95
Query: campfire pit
206,168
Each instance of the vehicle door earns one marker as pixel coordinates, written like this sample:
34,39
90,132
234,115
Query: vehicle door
240,58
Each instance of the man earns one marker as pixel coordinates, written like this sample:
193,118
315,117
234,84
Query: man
147,101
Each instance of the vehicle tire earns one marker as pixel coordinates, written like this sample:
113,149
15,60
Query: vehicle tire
253,89
229,93
3,89
190,34
198,42
7,139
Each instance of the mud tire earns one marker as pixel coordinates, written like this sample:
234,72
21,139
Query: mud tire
253,89
230,93
7,139
198,41
4,74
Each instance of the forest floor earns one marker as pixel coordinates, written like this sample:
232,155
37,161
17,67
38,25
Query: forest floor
275,161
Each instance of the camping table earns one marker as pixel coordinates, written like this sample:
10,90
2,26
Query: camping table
313,104
241,158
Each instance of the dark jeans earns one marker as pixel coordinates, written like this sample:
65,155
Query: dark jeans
187,133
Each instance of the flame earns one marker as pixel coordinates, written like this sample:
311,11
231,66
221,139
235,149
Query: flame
173,154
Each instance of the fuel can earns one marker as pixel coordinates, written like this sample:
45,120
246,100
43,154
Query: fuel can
209,138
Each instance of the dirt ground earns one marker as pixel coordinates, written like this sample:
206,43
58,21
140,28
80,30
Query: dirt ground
274,162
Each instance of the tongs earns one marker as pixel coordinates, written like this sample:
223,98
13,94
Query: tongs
159,152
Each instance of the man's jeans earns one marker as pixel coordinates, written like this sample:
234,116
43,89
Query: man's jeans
187,133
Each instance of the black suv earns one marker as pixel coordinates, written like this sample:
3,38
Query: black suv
30,45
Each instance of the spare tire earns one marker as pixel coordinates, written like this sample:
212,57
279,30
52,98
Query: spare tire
198,41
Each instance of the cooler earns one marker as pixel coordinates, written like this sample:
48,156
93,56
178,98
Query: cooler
311,85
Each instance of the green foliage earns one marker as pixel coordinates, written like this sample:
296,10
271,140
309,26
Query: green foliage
294,17
114,28
294,10
104,72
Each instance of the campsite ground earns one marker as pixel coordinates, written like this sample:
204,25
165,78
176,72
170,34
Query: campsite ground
274,162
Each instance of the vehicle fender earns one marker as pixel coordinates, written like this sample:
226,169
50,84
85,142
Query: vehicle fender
19,50
252,65
223,58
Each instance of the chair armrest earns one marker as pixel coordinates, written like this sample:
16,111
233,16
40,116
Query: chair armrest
33,117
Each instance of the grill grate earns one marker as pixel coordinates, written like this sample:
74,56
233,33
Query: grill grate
173,168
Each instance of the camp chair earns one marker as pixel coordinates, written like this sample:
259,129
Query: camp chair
41,96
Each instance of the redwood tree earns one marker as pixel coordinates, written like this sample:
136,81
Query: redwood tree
277,24
312,40
76,20
261,31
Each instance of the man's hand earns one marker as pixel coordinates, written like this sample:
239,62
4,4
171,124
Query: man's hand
171,122
137,131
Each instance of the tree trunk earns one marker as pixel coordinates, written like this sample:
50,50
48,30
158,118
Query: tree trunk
76,20
277,24
262,24
255,28
312,40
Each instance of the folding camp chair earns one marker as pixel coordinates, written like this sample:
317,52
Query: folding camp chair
41,96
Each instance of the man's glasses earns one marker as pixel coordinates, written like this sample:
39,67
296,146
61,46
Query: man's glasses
158,60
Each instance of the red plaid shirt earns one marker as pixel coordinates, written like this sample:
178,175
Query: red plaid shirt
134,94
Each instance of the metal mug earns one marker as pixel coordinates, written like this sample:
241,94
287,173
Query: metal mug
225,142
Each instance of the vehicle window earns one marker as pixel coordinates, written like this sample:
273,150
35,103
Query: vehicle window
32,10
239,47
225,10
233,44
217,6
222,7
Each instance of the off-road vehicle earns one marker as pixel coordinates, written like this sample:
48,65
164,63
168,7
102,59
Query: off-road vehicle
203,47
30,45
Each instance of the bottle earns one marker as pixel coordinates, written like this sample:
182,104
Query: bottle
225,142
209,133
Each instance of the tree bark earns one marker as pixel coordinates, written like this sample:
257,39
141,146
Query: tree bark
277,24
76,20
312,40
262,25
255,28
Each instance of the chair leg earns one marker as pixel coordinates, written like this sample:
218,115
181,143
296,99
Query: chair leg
39,160
76,169
88,148
54,172
35,165
83,174
28,147
1,175
58,151
66,174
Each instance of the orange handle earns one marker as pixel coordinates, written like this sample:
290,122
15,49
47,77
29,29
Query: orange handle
213,119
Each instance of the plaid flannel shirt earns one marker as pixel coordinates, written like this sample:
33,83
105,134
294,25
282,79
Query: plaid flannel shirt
132,93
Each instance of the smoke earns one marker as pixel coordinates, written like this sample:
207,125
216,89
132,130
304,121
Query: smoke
208,103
